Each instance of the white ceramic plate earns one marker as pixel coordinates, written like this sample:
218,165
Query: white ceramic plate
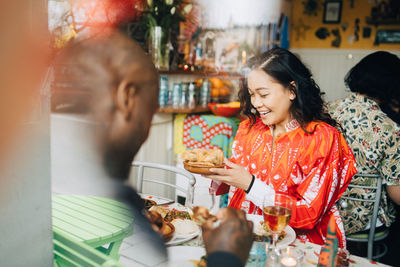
181,255
158,200
287,240
179,239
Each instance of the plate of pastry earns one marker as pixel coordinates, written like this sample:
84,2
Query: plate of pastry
200,161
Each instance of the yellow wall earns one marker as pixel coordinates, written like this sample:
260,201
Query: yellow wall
361,9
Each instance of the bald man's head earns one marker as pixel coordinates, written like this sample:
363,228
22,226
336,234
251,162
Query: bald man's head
97,65
116,82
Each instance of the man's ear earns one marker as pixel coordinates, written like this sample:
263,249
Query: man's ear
125,98
292,90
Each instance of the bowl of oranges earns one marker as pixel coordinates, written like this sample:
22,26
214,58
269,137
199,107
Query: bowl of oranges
225,109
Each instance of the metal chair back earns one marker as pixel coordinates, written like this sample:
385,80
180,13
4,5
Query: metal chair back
372,235
151,165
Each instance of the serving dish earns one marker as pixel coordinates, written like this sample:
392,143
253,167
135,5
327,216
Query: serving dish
200,169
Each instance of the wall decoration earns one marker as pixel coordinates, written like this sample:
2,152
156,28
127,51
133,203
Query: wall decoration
361,10
385,12
332,12
345,25
300,29
322,33
357,29
366,32
310,7
338,39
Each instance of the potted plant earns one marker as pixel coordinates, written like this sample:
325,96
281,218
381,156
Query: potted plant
162,18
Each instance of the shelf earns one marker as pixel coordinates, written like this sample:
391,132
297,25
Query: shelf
183,110
369,20
201,73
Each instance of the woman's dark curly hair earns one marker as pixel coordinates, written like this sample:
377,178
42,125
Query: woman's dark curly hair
285,68
378,76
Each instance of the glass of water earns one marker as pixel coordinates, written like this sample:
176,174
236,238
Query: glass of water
201,196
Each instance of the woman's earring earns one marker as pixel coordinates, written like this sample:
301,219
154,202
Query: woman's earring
253,110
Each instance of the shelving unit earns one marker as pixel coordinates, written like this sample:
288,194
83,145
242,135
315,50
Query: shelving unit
183,110
376,22
234,75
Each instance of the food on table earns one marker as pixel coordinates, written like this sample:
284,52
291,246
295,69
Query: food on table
184,227
177,214
201,215
167,220
200,263
163,211
263,234
155,219
165,229
148,203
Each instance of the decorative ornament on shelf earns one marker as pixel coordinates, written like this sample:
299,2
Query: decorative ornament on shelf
310,7
162,18
300,29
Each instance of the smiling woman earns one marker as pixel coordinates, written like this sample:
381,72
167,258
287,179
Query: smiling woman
289,145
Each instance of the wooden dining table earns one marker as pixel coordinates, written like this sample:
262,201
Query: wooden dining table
101,223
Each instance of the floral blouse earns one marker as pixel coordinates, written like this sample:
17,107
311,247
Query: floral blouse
313,168
375,141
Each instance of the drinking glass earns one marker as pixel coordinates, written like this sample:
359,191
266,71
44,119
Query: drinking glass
291,257
201,196
276,214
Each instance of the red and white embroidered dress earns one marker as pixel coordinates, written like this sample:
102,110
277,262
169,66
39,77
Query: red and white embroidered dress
314,169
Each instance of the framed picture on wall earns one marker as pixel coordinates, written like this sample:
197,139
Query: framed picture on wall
332,12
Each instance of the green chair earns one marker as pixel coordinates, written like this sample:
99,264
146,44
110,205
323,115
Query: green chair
372,236
71,253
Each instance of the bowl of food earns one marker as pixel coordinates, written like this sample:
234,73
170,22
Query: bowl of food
225,109
159,225
198,168
148,203
200,161
167,231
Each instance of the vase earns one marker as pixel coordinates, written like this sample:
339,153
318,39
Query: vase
159,47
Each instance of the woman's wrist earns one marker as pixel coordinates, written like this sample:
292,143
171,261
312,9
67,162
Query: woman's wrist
251,184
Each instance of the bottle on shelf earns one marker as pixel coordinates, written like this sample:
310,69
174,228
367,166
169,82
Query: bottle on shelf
205,93
164,92
192,96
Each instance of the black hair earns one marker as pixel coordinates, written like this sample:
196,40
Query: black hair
378,76
285,68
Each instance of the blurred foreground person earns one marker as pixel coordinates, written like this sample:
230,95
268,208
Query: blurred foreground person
25,197
368,117
121,92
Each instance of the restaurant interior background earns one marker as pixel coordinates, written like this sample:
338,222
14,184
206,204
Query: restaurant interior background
329,36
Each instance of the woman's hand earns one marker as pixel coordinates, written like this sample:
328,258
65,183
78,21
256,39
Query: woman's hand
234,175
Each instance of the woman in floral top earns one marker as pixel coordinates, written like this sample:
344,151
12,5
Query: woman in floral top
288,144
373,136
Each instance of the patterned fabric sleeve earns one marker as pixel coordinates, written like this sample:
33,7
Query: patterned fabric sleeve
238,143
390,167
327,170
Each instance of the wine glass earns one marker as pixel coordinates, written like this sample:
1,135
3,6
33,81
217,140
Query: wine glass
277,214
201,196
